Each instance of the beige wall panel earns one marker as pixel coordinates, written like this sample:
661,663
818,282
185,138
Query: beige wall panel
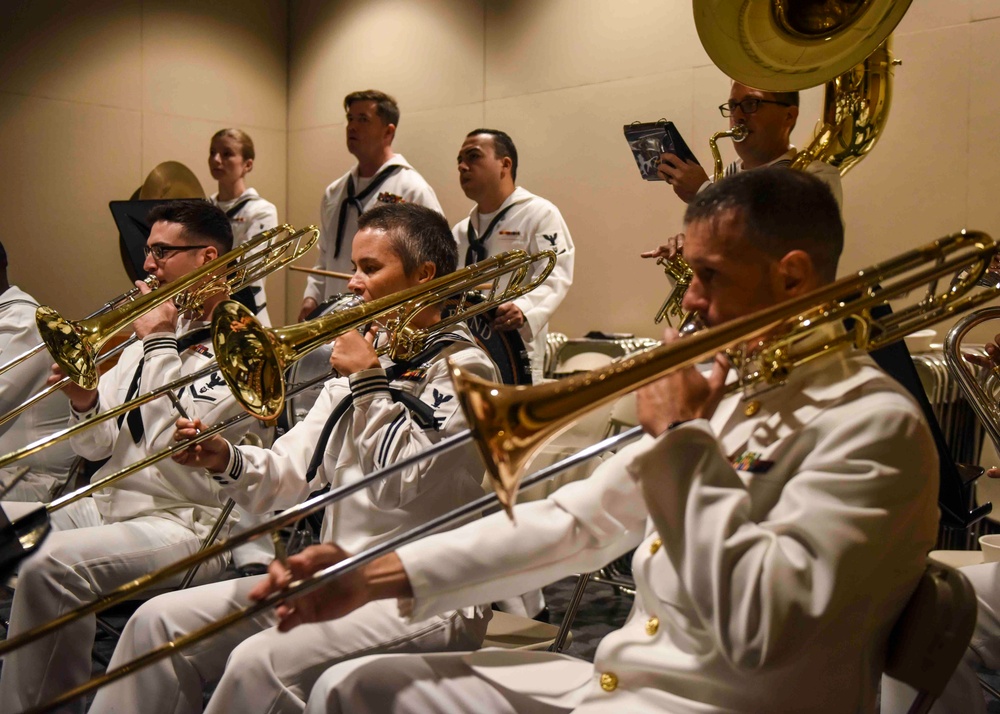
931,14
431,143
62,164
913,186
223,61
985,9
316,157
984,142
538,46
572,152
82,52
427,54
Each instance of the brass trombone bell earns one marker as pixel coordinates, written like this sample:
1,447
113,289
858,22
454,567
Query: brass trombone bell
253,359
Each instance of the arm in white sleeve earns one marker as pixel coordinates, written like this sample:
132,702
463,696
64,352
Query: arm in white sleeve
315,284
18,334
579,528
388,432
549,233
263,480
98,441
421,193
764,585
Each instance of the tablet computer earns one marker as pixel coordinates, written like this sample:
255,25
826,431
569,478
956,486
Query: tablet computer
648,140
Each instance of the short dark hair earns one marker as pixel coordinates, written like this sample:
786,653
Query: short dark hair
503,147
241,138
787,97
418,235
199,220
781,210
385,106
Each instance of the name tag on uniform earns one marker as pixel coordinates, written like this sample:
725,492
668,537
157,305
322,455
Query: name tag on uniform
751,462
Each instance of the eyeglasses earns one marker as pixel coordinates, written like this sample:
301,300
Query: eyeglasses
159,252
747,106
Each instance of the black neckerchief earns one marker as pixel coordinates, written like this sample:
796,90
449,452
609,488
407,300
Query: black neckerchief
355,201
477,246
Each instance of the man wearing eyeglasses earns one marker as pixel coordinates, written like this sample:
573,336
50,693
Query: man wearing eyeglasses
149,519
769,117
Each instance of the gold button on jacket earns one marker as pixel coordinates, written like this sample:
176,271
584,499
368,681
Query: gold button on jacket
609,682
655,546
652,625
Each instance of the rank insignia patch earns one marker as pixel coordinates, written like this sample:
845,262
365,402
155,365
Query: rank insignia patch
414,375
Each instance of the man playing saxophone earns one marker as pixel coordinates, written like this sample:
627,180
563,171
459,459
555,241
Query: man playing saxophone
153,517
376,412
754,518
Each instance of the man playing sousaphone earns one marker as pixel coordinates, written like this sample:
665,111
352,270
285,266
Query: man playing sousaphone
375,413
153,517
769,118
754,521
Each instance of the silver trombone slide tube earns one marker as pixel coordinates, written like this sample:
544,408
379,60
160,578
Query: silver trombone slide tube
39,396
301,587
982,403
45,442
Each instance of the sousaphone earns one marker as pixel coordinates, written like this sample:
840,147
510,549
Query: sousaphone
790,45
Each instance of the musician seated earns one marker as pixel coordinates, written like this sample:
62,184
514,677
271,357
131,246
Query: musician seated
778,537
376,413
47,470
769,118
149,519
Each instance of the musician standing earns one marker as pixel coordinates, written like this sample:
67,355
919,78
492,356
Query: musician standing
380,176
47,469
149,519
231,157
778,537
508,217
769,117
376,413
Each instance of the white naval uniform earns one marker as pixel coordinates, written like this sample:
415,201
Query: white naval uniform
147,520
532,224
820,169
272,671
773,589
404,185
255,216
48,468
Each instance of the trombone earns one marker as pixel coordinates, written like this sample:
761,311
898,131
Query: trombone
252,358
509,424
75,345
129,295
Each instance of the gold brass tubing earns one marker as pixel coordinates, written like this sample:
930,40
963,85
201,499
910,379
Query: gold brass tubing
512,423
738,133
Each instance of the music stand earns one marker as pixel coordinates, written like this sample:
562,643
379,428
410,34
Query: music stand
133,232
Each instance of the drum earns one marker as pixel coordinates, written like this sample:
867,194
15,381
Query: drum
505,347
313,364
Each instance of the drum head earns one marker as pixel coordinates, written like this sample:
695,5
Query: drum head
313,364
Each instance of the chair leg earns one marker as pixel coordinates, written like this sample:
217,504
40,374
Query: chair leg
571,610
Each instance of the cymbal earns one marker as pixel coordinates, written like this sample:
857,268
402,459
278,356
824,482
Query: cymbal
171,179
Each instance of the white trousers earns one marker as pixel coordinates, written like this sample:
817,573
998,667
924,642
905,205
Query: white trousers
963,695
431,684
70,568
258,668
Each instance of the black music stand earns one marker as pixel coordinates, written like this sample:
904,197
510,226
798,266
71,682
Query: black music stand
133,232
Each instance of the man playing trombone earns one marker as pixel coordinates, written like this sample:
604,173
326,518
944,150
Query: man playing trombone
149,519
755,520
375,413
